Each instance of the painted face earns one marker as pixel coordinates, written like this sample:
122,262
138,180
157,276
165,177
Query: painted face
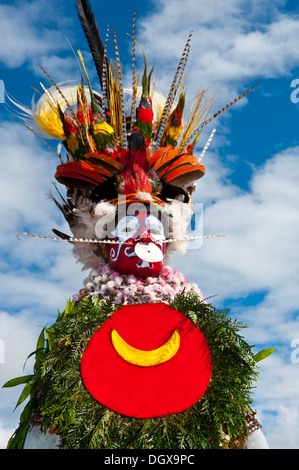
143,245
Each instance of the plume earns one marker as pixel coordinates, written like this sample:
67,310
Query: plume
121,93
92,34
134,76
207,121
106,72
175,86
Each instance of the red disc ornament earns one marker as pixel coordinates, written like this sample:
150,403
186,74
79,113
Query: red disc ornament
146,361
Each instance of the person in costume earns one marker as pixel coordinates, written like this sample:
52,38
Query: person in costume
139,358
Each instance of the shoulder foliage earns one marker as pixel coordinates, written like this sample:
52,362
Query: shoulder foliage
59,399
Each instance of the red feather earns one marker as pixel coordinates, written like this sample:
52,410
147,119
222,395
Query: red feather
136,181
181,160
76,173
185,174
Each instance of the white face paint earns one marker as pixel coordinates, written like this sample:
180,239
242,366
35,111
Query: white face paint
155,228
126,228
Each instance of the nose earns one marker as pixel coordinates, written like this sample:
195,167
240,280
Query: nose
146,237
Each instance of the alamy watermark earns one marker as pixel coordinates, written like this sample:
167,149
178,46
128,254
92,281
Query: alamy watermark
2,91
295,353
295,94
182,223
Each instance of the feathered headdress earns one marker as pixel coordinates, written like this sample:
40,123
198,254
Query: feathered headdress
116,154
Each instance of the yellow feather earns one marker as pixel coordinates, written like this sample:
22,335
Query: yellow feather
46,112
48,120
103,127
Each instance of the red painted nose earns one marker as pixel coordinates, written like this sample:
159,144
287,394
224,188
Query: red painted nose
146,237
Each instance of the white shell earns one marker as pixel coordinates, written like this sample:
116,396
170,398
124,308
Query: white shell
148,252
256,440
36,439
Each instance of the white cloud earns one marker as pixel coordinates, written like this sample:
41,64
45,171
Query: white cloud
32,34
5,434
258,255
233,42
23,32
37,276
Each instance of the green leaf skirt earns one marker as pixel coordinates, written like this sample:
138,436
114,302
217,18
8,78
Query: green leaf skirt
58,398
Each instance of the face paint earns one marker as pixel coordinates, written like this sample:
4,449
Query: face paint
143,245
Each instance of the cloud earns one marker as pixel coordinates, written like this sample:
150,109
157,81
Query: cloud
277,402
25,36
259,251
33,35
5,434
233,42
37,276
261,227
258,258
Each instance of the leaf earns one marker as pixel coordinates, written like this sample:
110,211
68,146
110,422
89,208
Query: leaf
36,352
69,308
263,354
17,440
41,341
25,393
50,333
17,381
40,347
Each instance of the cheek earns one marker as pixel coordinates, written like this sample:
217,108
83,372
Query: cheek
123,258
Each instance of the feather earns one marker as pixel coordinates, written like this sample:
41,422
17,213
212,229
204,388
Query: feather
207,121
78,174
166,159
168,191
92,34
179,161
66,207
61,235
121,95
197,113
94,104
134,77
155,156
36,134
173,90
60,93
105,191
100,160
185,174
106,73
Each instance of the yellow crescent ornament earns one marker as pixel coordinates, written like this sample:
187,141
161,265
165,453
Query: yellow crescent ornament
139,357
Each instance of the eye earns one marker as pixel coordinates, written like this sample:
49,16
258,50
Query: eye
155,227
127,227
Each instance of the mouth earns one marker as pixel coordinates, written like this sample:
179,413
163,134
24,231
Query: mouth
142,358
148,252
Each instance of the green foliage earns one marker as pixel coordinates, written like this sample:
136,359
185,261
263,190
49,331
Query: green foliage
17,381
58,395
263,354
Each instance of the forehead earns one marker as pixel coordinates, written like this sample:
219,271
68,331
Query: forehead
140,210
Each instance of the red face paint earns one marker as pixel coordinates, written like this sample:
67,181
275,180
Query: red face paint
143,245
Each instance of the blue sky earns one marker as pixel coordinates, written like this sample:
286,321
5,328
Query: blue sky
250,190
